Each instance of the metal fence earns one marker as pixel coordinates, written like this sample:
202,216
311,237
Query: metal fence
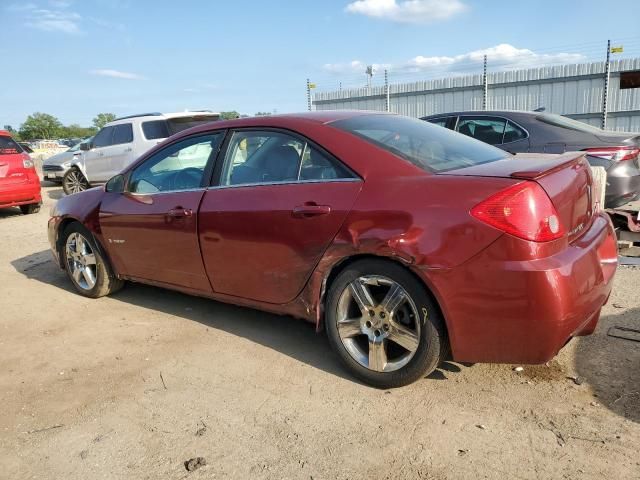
575,90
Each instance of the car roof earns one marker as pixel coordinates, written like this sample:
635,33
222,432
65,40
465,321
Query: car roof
5,133
485,112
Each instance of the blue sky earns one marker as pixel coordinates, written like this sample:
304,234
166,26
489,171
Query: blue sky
74,59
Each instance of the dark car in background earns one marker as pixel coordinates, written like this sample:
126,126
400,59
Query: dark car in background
539,132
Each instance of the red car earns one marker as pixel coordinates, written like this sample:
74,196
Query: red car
19,182
406,241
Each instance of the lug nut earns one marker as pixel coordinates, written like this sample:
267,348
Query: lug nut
385,327
382,315
372,313
368,324
377,333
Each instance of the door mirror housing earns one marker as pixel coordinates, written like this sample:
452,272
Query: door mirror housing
85,146
115,184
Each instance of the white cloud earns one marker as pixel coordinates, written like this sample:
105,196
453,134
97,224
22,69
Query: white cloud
500,57
105,72
356,66
53,20
408,11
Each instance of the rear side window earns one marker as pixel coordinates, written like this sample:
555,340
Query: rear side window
513,133
8,146
155,129
103,138
486,129
427,146
447,122
123,134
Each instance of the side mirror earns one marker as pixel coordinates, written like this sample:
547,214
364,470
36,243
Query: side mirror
115,184
85,146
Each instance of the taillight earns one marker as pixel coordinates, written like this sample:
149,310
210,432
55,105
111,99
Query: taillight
615,154
28,163
523,210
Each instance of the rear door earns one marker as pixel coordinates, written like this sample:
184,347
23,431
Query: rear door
277,206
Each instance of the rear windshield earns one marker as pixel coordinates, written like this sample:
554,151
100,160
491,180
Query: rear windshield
157,129
430,147
8,146
568,123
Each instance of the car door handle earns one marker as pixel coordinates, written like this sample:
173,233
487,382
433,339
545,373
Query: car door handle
180,212
311,210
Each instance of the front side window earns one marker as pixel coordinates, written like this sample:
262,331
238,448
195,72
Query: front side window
260,157
179,166
486,129
123,133
427,146
103,138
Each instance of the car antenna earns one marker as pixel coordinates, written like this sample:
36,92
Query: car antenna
540,109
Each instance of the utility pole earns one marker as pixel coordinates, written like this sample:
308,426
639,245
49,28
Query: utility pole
308,94
369,73
485,85
386,90
607,77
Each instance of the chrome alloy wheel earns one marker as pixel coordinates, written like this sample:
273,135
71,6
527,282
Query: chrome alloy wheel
75,182
81,261
378,323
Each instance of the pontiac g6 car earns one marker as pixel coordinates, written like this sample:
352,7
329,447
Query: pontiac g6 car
402,239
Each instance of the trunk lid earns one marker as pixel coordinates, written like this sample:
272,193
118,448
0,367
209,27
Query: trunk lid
565,178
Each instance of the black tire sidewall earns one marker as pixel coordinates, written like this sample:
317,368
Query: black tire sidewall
432,332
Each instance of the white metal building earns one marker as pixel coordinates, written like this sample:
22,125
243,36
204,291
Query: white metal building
572,90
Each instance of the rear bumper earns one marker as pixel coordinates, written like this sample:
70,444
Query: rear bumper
526,311
20,194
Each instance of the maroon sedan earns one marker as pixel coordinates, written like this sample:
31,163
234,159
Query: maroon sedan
405,240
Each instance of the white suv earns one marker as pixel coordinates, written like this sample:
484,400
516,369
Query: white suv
121,142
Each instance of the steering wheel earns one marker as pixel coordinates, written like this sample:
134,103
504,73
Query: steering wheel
187,178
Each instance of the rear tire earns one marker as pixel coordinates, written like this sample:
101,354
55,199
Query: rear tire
74,181
383,324
88,270
29,209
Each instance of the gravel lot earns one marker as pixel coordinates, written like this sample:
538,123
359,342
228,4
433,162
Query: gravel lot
134,385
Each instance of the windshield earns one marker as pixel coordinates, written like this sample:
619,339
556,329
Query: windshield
568,123
430,147
8,146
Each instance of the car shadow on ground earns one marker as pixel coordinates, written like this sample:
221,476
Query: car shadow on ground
9,212
56,194
287,335
611,366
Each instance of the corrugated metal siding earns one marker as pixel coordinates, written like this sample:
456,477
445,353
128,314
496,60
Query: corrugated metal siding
564,89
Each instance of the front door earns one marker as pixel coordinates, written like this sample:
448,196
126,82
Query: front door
279,204
96,159
151,230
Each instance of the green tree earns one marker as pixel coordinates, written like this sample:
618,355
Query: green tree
229,115
40,125
102,119
12,131
76,131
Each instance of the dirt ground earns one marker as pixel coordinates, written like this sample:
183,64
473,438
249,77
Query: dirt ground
134,385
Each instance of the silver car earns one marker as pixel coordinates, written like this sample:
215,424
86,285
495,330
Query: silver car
54,168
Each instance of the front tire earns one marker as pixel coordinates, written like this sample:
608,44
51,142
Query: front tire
383,324
87,269
29,209
74,181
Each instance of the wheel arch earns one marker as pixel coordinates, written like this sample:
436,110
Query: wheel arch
344,263
64,224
